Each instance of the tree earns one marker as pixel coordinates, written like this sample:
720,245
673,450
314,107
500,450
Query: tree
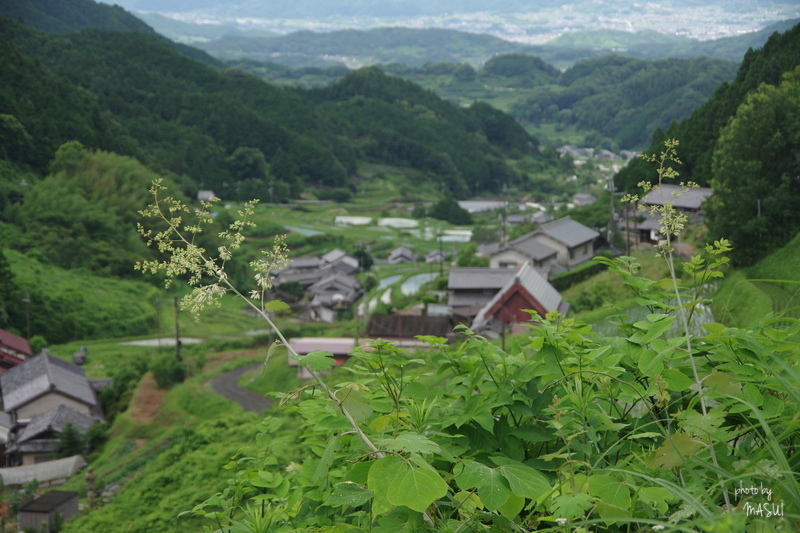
756,173
448,209
70,441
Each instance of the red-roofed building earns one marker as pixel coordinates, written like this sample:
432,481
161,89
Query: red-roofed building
13,350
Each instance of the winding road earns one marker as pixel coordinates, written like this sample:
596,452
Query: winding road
227,385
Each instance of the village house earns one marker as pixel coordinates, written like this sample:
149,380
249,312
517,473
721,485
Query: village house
528,249
333,294
559,245
583,199
573,241
43,383
435,256
472,288
13,350
688,201
526,290
402,254
37,442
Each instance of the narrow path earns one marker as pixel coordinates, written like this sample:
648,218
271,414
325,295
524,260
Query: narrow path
227,385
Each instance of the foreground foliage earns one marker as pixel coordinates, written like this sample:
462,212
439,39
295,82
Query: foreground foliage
568,429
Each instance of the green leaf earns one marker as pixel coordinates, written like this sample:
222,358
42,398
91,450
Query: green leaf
265,479
355,403
512,507
610,491
611,512
318,360
417,488
698,424
348,494
276,306
525,481
674,451
571,506
723,383
493,488
752,395
655,497
656,326
326,460
382,474
410,442
676,380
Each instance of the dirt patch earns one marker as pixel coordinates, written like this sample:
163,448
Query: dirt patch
214,360
147,400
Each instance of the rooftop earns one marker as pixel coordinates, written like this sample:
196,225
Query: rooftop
42,374
679,197
568,231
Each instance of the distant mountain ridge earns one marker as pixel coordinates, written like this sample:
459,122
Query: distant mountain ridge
415,47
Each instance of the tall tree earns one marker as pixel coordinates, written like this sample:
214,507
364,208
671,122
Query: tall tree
756,172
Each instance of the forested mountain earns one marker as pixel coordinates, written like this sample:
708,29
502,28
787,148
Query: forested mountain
625,99
743,143
70,15
188,118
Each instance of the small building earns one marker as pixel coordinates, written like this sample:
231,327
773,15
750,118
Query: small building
40,514
688,201
206,195
435,256
583,199
13,350
38,441
339,347
528,289
528,249
334,293
43,383
472,288
402,254
573,241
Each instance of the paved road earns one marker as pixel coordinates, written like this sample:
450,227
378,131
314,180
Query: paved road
226,385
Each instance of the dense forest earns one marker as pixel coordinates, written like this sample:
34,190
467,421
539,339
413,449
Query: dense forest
754,181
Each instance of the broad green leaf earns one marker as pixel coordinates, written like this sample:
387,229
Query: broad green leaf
415,390
326,460
265,479
512,507
276,306
318,360
676,380
611,513
358,472
610,491
348,494
656,326
571,506
525,481
417,488
355,403
493,488
410,442
723,383
752,395
699,424
674,451
656,497
383,473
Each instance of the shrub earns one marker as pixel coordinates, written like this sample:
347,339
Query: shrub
168,371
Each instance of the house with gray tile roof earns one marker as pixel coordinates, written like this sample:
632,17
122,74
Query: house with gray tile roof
38,440
44,382
472,288
527,289
686,200
524,250
573,241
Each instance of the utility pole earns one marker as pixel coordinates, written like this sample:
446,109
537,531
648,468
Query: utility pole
177,330
27,301
611,204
